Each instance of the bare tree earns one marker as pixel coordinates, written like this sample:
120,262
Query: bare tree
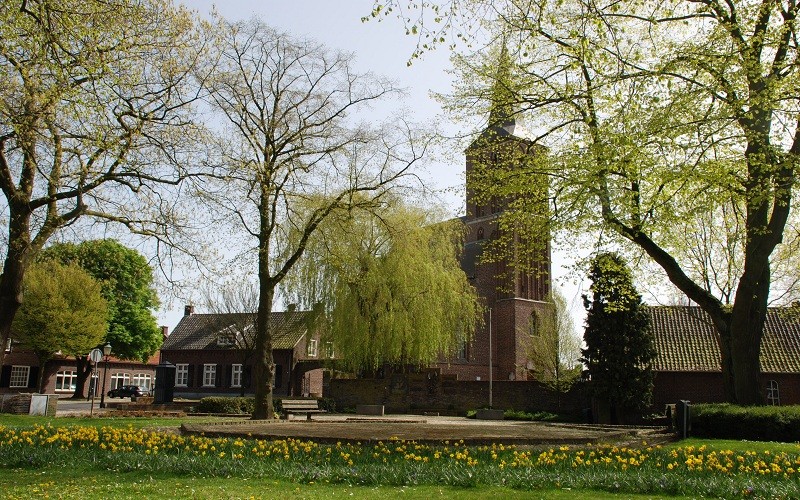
293,155
235,306
554,346
93,117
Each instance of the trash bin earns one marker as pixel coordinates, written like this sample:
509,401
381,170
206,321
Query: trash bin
683,418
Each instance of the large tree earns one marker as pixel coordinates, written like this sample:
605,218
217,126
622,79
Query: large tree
126,281
619,344
656,113
289,106
93,119
392,286
63,311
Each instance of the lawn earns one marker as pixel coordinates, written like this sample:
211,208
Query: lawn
125,457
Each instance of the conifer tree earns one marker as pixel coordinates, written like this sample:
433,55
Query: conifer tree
619,344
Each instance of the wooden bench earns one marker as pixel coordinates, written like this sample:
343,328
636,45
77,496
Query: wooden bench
307,406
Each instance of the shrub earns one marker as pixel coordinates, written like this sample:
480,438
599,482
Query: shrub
755,423
539,416
226,405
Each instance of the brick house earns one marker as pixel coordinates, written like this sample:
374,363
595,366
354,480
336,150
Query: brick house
212,354
688,362
21,369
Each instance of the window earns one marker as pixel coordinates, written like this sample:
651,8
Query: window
773,395
209,375
19,376
8,345
312,348
181,375
236,375
142,380
329,352
119,379
534,329
66,381
461,350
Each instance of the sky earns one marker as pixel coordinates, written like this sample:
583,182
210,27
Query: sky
384,49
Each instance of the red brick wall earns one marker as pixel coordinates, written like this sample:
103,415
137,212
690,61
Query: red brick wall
417,392
706,387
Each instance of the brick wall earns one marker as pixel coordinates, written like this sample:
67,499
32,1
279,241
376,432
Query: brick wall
418,392
706,387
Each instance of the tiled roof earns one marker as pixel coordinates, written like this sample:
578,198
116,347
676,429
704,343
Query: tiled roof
686,340
201,331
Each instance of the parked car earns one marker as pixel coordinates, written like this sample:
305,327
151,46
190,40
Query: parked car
126,391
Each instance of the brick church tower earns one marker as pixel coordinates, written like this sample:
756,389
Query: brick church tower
515,295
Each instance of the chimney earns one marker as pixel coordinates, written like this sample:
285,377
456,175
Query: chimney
188,310
164,332
291,308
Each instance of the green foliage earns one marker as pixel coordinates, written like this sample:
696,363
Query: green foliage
219,404
619,345
754,423
63,310
537,416
94,118
669,128
126,280
392,285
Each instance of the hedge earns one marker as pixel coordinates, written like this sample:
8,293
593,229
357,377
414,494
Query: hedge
754,423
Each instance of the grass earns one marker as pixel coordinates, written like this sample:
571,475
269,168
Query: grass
124,458
90,483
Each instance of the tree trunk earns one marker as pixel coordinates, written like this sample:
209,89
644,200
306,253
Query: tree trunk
263,363
747,326
11,289
726,363
83,369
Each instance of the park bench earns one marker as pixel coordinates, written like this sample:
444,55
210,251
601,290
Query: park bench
307,406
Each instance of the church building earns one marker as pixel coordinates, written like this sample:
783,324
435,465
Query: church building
515,295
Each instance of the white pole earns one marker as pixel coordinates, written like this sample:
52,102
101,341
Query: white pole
490,358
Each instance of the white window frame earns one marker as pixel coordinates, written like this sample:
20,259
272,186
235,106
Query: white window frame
236,375
182,375
312,349
210,375
143,380
330,350
66,381
118,379
17,379
773,393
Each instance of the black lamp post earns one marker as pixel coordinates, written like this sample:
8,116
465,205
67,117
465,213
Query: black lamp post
106,352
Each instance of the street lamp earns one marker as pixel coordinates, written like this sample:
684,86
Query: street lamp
106,352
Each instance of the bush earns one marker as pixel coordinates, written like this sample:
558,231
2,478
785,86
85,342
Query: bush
754,423
226,405
539,416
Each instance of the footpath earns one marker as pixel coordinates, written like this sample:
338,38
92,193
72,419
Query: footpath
430,429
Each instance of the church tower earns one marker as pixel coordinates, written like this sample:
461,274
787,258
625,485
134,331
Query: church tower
514,292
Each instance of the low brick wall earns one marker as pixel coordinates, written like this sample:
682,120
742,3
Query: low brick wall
420,392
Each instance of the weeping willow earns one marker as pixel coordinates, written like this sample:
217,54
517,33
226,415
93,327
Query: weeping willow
391,286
